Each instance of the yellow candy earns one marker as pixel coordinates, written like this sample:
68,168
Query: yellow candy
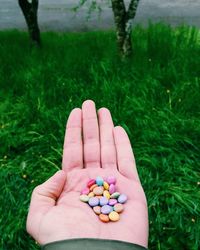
84,198
106,194
91,194
106,185
113,216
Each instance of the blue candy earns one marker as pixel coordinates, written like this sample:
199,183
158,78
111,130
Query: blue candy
99,181
103,201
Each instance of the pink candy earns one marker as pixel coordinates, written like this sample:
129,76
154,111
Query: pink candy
111,180
112,188
85,191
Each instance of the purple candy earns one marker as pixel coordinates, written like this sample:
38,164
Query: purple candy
111,180
106,209
93,201
122,198
112,202
103,201
112,188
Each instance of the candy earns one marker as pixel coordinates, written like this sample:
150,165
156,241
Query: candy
93,201
99,196
102,196
84,198
106,194
103,201
112,188
118,207
104,218
106,185
91,182
115,195
113,216
112,202
91,194
106,209
85,191
98,190
99,181
93,186
97,209
111,180
122,198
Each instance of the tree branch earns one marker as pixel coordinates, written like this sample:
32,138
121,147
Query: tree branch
132,9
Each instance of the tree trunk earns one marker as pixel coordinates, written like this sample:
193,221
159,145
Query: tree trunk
119,11
123,21
29,10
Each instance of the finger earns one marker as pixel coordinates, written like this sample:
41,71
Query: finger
125,157
90,135
73,148
108,152
44,198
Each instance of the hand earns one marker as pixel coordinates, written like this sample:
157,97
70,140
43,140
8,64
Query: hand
56,213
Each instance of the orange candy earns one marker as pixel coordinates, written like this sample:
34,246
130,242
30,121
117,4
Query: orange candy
104,218
93,186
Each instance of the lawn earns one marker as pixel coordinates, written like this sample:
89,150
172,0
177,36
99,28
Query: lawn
155,96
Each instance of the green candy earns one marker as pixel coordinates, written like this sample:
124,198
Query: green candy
115,195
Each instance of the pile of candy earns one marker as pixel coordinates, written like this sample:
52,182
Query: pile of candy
102,196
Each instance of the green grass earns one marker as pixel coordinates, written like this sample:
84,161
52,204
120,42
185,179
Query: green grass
155,96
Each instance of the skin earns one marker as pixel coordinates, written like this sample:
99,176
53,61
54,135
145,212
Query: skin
92,147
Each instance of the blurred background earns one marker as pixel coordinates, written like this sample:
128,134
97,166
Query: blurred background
56,54
57,15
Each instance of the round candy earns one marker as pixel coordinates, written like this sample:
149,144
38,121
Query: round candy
112,202
103,201
93,201
106,185
112,188
122,198
113,216
111,180
84,198
99,181
99,196
98,190
118,207
115,195
97,209
85,191
91,194
93,186
91,182
106,194
104,218
106,209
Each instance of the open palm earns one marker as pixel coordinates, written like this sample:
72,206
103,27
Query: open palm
56,212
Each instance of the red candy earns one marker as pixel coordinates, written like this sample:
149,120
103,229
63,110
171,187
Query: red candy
91,182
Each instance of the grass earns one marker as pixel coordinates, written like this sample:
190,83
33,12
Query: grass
154,96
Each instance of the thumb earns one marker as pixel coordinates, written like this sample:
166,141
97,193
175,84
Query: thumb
43,198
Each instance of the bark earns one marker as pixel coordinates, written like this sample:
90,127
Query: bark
29,10
123,22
